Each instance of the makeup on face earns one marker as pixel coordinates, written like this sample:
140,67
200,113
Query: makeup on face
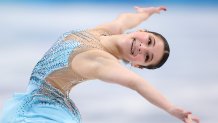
144,50
132,50
136,47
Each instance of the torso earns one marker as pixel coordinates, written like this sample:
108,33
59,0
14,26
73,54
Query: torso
66,78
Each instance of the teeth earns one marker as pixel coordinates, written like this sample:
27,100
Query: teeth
132,49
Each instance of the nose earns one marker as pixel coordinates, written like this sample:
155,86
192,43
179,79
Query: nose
143,49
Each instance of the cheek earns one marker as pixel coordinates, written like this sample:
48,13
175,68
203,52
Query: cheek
143,38
138,59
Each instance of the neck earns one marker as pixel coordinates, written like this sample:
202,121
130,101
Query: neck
112,44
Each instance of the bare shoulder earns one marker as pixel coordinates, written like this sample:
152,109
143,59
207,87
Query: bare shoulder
111,28
87,62
101,65
94,55
99,31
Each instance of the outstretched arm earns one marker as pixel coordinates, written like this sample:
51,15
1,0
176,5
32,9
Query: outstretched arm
129,20
106,68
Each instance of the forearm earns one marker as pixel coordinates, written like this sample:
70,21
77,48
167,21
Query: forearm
153,95
131,20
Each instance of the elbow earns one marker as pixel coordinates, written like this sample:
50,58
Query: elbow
136,85
123,22
124,16
133,85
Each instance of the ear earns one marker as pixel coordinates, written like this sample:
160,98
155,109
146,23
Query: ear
135,65
142,30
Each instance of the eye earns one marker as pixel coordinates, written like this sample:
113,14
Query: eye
146,57
149,41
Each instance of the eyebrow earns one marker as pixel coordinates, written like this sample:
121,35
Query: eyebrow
154,42
152,56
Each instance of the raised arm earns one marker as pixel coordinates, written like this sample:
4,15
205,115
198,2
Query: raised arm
108,69
130,20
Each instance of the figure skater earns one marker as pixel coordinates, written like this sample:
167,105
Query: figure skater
90,54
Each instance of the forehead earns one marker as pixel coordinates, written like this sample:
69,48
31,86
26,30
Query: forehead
158,50
143,35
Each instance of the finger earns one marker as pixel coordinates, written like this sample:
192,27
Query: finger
188,113
159,9
190,118
196,119
136,7
163,8
187,120
187,117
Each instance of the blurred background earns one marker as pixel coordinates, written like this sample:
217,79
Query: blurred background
189,79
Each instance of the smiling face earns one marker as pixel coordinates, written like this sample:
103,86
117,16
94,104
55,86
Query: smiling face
142,48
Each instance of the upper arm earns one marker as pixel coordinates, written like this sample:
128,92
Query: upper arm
117,26
112,28
113,72
104,68
129,20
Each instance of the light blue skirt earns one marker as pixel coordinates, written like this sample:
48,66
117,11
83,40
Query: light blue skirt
44,105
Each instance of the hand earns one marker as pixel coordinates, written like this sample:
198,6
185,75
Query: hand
185,116
150,10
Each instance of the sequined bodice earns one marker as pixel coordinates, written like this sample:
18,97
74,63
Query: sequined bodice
55,64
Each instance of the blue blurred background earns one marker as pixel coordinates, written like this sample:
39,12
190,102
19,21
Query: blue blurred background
188,79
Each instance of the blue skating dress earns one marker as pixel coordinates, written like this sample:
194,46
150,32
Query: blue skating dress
42,102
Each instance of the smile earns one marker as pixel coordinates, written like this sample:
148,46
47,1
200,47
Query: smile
132,49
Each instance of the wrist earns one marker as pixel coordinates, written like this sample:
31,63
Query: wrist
170,109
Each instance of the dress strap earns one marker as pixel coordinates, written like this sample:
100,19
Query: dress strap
88,41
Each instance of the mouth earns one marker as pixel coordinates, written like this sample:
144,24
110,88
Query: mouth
132,47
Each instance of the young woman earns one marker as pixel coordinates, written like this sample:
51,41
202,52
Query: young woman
90,54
